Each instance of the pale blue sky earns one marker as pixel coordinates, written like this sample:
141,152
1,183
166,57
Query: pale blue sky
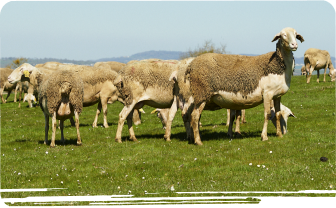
93,30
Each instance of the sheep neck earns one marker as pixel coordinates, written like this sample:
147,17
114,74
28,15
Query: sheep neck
288,58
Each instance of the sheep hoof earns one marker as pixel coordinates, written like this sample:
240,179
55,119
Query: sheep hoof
133,138
238,134
229,135
52,146
279,135
264,138
118,140
167,138
198,143
79,144
106,126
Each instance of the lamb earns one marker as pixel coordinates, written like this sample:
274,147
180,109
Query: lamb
146,83
241,82
60,96
316,59
116,66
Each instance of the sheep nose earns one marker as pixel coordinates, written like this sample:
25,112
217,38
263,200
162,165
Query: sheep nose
294,45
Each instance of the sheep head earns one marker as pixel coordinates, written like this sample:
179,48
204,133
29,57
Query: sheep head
22,73
287,38
65,108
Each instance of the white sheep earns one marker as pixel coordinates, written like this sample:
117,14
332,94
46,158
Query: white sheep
316,59
241,82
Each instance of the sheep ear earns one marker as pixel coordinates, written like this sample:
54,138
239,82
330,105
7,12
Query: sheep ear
173,76
299,37
292,115
276,37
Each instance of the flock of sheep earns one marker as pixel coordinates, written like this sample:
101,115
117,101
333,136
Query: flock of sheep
207,82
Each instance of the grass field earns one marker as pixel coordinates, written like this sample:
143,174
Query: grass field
103,167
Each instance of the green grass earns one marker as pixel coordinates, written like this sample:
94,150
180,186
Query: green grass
103,167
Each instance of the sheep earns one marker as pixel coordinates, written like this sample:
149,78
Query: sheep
98,87
6,86
142,83
60,96
116,66
52,65
316,59
240,82
303,70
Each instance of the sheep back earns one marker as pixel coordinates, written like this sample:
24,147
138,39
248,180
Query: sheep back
113,65
50,90
211,72
92,75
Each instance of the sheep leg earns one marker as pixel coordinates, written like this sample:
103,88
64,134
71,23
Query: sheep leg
8,94
1,92
228,117
79,141
186,121
325,73
122,117
54,123
171,115
72,121
62,127
267,115
311,69
195,115
243,116
46,128
318,76
103,101
186,116
94,125
130,126
136,117
278,116
232,117
20,94
238,116
15,92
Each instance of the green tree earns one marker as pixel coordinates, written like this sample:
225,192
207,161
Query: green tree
17,62
208,47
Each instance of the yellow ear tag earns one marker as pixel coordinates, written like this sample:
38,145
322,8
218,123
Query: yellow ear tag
26,73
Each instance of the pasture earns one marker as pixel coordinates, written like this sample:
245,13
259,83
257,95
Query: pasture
103,167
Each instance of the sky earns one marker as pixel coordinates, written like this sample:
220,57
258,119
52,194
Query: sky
91,30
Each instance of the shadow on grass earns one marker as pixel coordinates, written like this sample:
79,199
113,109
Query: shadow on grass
206,135
60,143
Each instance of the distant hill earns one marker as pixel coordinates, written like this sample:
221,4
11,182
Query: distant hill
165,55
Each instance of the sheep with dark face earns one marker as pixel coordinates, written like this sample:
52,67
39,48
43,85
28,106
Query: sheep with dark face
240,82
316,59
60,96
